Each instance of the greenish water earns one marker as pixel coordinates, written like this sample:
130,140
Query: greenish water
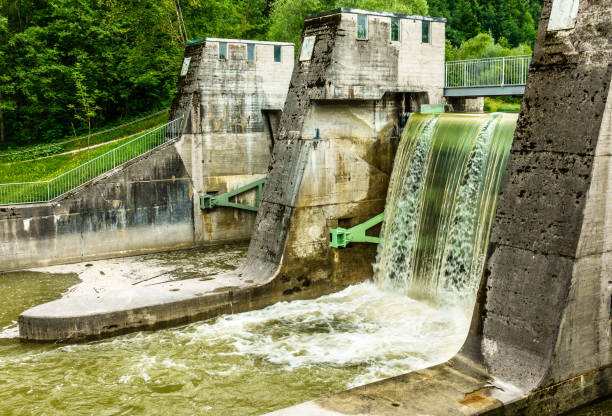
243,364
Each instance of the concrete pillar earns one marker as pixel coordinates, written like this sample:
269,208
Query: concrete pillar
466,104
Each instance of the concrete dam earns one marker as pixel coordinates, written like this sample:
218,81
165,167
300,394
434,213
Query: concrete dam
494,228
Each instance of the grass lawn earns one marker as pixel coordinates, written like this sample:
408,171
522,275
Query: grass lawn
50,167
102,136
493,105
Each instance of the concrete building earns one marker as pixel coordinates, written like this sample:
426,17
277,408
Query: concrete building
231,93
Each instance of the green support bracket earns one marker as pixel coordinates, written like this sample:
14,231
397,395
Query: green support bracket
340,237
210,201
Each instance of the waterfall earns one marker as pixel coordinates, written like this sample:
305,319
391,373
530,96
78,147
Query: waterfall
440,204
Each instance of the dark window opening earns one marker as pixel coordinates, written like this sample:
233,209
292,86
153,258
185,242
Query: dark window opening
425,31
222,50
277,53
395,29
362,26
251,52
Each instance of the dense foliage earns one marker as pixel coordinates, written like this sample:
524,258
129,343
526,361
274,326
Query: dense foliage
67,63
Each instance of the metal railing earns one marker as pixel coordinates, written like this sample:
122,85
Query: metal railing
45,191
487,72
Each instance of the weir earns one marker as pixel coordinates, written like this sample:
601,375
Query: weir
536,339
540,338
349,97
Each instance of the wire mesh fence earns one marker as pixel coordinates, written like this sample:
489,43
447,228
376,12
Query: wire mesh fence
45,191
488,72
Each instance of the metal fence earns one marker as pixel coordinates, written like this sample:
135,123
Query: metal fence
35,192
487,72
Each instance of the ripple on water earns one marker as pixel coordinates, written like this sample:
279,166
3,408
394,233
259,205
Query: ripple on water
243,364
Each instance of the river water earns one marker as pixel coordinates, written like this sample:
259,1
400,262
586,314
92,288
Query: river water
243,364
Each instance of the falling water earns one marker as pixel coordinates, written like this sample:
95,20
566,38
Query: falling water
441,202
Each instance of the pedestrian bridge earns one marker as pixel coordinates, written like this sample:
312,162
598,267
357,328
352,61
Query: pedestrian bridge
486,77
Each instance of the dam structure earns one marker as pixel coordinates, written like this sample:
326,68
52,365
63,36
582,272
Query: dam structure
539,341
540,337
357,76
230,96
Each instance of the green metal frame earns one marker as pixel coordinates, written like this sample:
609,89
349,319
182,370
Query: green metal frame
341,237
223,200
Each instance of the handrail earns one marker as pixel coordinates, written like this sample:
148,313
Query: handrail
487,72
46,191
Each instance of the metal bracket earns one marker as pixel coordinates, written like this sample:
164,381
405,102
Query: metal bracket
210,201
340,237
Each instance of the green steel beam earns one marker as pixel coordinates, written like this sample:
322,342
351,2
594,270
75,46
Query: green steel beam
210,201
340,237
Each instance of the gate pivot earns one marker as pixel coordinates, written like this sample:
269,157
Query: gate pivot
340,237
223,200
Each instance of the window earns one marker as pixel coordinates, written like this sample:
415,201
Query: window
362,26
425,31
277,53
222,50
395,29
250,51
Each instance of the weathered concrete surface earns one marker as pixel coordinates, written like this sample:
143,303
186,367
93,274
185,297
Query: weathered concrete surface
233,107
540,337
357,93
466,105
142,207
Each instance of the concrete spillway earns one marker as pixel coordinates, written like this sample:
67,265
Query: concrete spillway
340,178
540,331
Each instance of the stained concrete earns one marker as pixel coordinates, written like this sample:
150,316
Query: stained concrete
357,93
230,108
540,338
144,206
233,108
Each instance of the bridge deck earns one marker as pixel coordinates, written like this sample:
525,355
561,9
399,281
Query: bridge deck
486,77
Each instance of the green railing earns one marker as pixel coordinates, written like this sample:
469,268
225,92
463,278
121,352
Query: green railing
46,191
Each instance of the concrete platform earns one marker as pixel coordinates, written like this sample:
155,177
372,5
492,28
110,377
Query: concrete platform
111,313
457,387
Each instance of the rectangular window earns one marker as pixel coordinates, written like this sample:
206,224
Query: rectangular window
362,26
277,53
395,29
250,51
222,50
425,31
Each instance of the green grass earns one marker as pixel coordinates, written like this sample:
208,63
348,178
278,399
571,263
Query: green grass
493,105
43,150
50,167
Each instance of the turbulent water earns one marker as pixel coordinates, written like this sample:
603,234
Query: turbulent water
243,364
440,205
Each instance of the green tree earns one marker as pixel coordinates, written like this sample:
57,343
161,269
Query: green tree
287,16
85,109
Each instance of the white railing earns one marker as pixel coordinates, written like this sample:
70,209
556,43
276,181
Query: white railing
45,191
487,72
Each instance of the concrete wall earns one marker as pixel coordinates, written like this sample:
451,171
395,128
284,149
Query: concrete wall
540,340
153,203
233,107
356,93
142,207
548,301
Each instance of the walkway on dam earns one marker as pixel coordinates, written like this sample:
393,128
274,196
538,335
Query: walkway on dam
505,75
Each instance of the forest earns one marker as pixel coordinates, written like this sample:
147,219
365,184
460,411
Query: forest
67,65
